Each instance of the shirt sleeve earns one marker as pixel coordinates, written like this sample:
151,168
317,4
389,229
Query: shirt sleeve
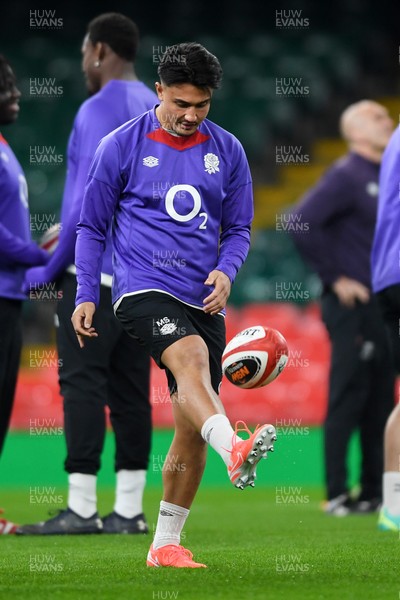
326,201
237,216
14,250
102,192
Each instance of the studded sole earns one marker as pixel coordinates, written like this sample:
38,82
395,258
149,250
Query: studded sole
263,444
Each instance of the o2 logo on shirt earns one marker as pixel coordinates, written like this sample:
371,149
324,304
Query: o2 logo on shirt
23,190
170,207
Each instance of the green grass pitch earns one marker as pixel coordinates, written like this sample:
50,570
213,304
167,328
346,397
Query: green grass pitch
269,542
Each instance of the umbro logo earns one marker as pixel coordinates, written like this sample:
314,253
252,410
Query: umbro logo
165,326
150,161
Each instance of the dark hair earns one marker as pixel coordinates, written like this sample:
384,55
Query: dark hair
118,31
191,63
7,77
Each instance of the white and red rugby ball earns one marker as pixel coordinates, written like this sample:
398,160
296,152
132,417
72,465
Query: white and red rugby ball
49,240
255,357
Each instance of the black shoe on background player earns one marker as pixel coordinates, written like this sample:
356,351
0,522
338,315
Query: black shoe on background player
115,523
341,506
65,523
345,505
364,506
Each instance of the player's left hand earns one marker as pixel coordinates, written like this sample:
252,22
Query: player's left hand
218,298
82,319
33,278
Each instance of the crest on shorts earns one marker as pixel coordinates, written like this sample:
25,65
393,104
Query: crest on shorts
166,326
211,162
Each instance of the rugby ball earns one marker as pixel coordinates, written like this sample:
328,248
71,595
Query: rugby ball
255,357
49,240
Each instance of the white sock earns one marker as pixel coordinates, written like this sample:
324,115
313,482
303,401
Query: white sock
217,431
171,520
129,494
391,492
82,494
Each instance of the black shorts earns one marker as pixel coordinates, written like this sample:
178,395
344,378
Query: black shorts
158,320
389,301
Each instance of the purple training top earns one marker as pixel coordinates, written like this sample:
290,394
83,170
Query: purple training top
386,247
179,207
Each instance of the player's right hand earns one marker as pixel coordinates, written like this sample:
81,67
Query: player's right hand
82,319
349,291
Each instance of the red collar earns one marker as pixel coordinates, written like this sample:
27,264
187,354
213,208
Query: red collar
179,142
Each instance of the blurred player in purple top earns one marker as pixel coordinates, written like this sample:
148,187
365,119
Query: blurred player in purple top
17,250
17,253
386,284
112,370
178,192
340,211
